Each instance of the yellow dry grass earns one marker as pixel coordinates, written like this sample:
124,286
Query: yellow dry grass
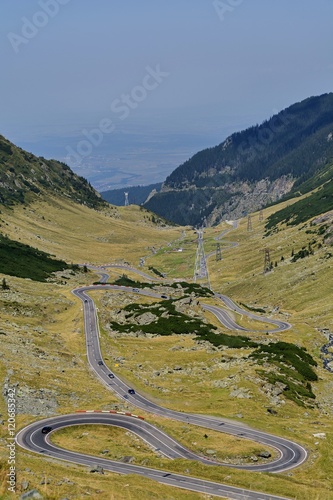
78,234
43,325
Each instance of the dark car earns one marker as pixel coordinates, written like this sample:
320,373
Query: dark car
164,297
111,375
86,300
46,429
131,391
100,363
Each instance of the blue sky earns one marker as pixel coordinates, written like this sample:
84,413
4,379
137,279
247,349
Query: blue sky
230,64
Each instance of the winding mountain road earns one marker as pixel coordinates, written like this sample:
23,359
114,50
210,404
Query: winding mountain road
31,438
288,453
223,316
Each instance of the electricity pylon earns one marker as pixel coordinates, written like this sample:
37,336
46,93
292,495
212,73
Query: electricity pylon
267,261
218,252
201,271
249,223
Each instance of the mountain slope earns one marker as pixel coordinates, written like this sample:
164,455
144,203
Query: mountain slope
136,194
251,168
319,201
50,217
17,259
25,177
42,324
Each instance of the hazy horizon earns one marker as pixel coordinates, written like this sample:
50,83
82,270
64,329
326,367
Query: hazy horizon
126,93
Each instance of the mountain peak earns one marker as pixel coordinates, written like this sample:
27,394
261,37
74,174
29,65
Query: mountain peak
25,177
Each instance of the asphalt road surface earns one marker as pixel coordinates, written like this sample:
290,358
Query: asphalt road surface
280,325
289,454
32,439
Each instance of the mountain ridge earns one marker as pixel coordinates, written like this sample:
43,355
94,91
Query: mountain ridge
137,195
25,177
279,156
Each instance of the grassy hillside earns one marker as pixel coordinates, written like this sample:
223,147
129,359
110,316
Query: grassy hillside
42,323
78,234
25,177
318,202
17,259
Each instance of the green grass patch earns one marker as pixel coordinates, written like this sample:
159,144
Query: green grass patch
290,354
292,364
317,203
231,341
293,369
292,391
124,280
189,288
156,271
254,309
175,322
23,261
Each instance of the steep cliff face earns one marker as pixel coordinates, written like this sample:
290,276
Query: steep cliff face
249,197
250,168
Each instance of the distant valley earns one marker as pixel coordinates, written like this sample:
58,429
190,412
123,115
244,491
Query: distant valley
159,335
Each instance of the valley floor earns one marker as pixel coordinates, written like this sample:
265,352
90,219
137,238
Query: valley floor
43,350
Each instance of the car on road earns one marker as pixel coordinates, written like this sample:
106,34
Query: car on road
131,391
86,300
136,290
100,363
111,375
46,429
164,296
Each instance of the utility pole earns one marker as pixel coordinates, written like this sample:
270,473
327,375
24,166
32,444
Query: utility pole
218,252
126,199
267,261
249,223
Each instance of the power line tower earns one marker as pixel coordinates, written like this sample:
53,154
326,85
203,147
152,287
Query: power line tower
201,271
126,199
218,252
249,223
267,261
261,215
